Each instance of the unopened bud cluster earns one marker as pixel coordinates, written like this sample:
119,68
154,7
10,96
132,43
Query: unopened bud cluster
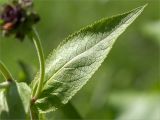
17,18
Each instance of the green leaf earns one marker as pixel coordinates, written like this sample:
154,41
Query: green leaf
73,63
67,112
70,112
3,105
15,101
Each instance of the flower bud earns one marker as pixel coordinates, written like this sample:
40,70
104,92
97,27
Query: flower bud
17,19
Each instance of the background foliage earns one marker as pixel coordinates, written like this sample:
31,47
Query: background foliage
128,82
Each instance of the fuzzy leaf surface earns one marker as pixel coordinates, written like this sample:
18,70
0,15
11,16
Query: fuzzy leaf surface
73,63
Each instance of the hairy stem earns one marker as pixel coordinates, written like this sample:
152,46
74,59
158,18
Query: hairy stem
8,77
33,113
35,37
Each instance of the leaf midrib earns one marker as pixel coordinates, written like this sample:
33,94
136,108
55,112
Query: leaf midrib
74,59
135,14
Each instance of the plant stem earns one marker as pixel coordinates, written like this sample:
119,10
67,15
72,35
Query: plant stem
35,37
33,113
5,72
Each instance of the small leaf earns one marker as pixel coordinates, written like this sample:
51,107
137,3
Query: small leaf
70,112
15,101
74,62
3,105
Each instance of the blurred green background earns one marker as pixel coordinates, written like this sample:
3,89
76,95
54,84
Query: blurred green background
127,85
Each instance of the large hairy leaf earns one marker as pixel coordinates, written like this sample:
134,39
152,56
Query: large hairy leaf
74,62
15,101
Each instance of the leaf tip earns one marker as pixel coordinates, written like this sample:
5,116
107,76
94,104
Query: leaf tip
142,7
138,10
